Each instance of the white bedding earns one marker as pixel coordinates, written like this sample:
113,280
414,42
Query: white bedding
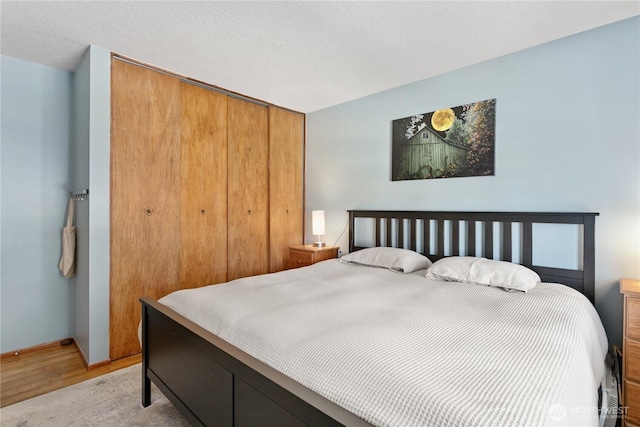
401,350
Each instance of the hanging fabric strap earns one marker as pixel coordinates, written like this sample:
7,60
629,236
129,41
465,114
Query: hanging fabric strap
67,261
70,213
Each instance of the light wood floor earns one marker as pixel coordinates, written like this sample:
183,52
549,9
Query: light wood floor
37,372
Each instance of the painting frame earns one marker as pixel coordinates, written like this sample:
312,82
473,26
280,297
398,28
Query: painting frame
449,142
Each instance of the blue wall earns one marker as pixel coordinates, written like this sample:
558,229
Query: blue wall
567,139
55,139
90,169
99,211
35,299
79,169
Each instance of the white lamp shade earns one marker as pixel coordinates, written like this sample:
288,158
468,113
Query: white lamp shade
317,222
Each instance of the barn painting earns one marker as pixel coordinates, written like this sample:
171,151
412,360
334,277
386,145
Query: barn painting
450,142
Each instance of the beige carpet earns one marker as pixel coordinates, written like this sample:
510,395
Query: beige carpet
109,400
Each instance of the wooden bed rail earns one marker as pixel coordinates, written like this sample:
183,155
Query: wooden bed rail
213,383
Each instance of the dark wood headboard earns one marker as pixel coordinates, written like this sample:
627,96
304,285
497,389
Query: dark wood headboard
406,229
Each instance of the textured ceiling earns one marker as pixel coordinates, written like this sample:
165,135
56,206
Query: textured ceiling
304,55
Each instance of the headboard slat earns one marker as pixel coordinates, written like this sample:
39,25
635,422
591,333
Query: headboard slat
507,249
455,238
412,231
471,238
488,239
426,231
527,244
440,231
388,226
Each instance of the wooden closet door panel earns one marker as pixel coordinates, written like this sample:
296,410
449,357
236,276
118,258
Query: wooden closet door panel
286,186
203,229
145,196
248,197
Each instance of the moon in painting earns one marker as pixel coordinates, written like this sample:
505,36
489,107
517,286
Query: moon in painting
442,120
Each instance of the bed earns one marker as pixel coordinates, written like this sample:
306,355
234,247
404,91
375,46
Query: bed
342,343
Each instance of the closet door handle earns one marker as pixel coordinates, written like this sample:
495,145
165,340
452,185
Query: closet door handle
148,212
202,211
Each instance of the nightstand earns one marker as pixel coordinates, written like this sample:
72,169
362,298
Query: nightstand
631,350
300,256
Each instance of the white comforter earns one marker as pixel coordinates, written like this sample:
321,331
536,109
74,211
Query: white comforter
400,350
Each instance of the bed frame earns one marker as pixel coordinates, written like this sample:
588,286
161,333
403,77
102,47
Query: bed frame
213,383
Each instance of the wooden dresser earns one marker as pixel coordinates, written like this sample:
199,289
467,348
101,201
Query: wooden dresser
303,255
631,350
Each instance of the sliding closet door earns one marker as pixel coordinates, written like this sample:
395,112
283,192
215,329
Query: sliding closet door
145,196
286,187
248,192
203,230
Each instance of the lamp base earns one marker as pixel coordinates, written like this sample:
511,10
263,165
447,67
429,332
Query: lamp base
318,244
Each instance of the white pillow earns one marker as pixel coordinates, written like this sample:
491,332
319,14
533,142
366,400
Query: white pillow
482,271
396,259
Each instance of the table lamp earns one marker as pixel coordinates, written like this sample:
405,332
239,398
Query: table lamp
317,225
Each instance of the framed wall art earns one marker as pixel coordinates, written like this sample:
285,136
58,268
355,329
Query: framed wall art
447,143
